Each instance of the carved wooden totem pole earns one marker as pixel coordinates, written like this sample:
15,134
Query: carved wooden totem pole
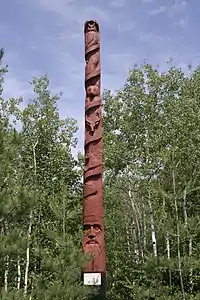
93,241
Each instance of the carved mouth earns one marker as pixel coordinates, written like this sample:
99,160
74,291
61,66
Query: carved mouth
92,242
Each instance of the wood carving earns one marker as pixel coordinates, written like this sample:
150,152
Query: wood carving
93,241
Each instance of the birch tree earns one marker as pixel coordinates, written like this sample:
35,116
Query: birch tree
40,201
153,116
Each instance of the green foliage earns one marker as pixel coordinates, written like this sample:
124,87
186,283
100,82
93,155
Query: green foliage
40,209
151,133
151,191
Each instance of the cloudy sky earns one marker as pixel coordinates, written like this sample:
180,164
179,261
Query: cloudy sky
46,36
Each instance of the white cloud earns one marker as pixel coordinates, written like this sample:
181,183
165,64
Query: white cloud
158,10
118,3
172,9
73,10
58,6
155,39
126,26
177,7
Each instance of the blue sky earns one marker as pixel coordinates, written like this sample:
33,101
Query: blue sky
46,36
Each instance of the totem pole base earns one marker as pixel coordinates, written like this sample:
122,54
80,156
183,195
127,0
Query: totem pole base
98,280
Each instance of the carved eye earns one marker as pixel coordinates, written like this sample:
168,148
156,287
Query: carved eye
86,227
97,227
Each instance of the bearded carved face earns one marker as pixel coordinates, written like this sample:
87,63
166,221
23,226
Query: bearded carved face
92,239
93,245
91,26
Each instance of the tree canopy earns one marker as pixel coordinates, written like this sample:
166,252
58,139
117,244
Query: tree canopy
151,137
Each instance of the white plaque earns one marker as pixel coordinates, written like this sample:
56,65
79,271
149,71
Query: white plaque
92,278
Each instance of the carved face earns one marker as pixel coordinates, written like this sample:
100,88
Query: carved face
92,90
93,245
91,26
93,120
92,239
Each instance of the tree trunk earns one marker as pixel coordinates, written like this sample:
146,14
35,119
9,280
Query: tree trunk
6,262
190,238
27,255
153,231
178,236
18,273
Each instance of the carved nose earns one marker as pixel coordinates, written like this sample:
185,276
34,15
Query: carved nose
91,234
92,130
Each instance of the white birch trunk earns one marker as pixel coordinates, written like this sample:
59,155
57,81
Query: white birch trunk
27,255
168,257
178,237
30,227
144,228
6,273
190,238
136,249
140,228
191,270
134,225
153,231
128,240
18,273
167,243
6,263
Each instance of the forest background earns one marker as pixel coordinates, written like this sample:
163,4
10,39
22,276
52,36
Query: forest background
151,190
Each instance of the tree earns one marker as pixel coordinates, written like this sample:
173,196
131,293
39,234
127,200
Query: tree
151,135
40,209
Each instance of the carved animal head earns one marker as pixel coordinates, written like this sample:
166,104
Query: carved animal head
91,26
93,90
92,121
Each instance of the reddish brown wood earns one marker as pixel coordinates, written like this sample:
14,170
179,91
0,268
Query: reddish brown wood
93,241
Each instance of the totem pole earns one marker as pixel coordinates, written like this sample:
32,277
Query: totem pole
93,241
